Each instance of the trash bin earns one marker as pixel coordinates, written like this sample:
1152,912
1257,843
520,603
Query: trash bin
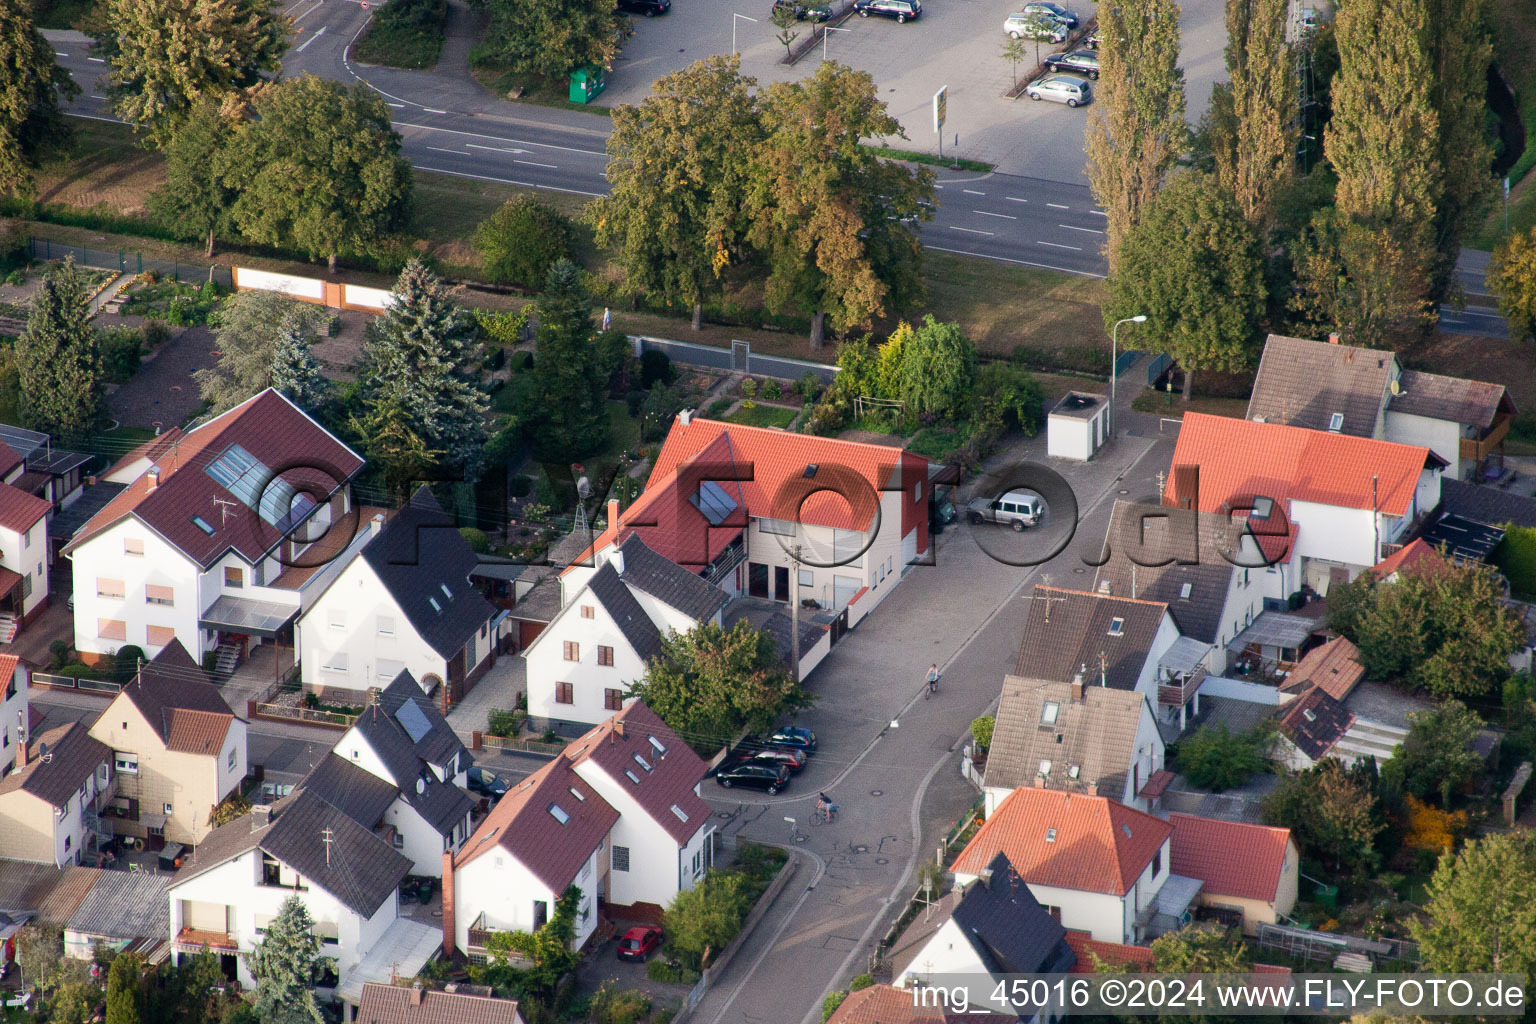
1327,895
586,83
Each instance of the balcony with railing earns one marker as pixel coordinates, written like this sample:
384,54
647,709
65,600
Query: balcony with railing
726,561
1175,690
479,949
192,940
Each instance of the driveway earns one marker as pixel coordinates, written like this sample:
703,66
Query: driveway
163,393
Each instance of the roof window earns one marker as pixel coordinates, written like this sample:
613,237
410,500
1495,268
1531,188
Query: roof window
578,794
446,592
682,815
810,471
1263,508
202,524
1309,714
1049,712
632,776
1073,770
1185,591
642,762
658,746
1045,768
1127,830
558,813
1050,835
435,606
1336,422
1117,626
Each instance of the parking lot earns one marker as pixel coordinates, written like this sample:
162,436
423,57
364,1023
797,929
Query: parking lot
956,43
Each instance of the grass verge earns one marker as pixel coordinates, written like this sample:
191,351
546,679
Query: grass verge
404,34
763,416
524,88
912,156
1157,402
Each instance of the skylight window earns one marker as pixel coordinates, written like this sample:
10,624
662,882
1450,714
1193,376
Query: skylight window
810,471
1185,591
578,794
682,815
1049,712
1045,768
1117,626
558,813
435,606
1050,835
658,746
1336,422
712,502
642,762
202,524
446,592
632,776
1127,830
1073,770
244,476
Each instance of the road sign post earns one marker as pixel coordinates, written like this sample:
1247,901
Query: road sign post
940,110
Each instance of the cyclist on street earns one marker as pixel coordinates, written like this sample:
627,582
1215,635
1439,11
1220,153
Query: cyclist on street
933,679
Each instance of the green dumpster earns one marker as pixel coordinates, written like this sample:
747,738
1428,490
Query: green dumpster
586,83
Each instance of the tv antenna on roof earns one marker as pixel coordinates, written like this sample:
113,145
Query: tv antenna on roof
224,509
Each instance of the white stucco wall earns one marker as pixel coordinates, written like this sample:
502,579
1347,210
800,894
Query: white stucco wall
103,557
658,866
948,951
27,553
345,621
13,714
1072,437
497,885
1442,437
547,665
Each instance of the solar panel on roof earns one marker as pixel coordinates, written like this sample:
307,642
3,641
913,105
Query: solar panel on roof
413,721
712,502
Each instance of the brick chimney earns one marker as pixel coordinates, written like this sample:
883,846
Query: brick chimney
1039,782
154,477
261,816
450,925
416,994
1334,339
613,512
1077,686
376,523
1093,789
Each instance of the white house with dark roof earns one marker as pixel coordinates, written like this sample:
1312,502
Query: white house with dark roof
24,556
15,684
400,770
215,542
50,801
399,599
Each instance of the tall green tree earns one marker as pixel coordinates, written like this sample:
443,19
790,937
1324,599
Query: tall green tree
1194,266
1136,127
1512,277
1383,143
1436,757
321,168
164,56
198,192
570,418
250,328
124,997
58,357
1460,51
521,241
938,370
284,965
1478,916
385,434
552,38
832,220
31,87
710,683
294,370
1255,147
1332,812
679,164
424,356
703,920
1359,280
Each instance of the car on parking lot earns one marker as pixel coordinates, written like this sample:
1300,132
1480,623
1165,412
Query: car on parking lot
804,11
649,8
1092,41
796,737
790,758
1068,89
639,942
1082,62
486,783
1060,13
1037,26
901,10
753,773
1017,508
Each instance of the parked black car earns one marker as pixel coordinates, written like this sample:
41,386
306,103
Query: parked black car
803,10
754,773
901,10
1082,62
795,737
486,783
649,8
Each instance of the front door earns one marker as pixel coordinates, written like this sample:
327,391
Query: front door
781,583
757,579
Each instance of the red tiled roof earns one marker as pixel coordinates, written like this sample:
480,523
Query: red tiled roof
1241,459
1157,784
19,511
391,1004
1334,667
882,1004
9,460
1232,858
1114,954
151,450
276,433
196,732
1415,554
177,699
671,778
522,824
1067,840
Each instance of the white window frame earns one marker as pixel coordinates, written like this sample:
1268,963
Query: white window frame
125,763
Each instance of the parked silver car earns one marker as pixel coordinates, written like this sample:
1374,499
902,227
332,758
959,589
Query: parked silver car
1016,509
1072,91
1038,25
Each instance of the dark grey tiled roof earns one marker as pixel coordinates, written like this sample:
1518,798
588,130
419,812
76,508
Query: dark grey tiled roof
1470,402
59,763
1165,533
357,867
440,743
442,804
355,791
1009,929
1315,722
1487,505
64,523
637,627
416,555
669,582
1067,631
1303,383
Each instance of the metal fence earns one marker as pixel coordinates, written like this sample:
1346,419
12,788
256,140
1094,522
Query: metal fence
49,681
124,261
1157,367
738,358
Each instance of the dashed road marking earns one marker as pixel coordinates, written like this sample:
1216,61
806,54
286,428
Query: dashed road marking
1058,245
1058,206
971,231
1003,216
972,192
1071,227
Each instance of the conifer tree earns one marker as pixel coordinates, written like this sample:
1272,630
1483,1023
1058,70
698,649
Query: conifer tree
31,85
571,418
58,357
123,990
423,358
284,967
294,370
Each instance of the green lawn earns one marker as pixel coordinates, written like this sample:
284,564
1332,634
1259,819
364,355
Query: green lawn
763,416
404,34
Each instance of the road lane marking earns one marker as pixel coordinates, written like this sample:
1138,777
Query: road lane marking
972,231
56,53
530,163
318,33
434,110
1058,245
1015,199
307,13
1070,227
972,192
455,152
97,60
1002,216
1485,316
494,149
1101,213
96,97
1058,206
497,138
400,106
505,181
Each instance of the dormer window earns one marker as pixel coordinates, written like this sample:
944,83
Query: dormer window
1309,714
1049,712
1117,626
558,813
1073,771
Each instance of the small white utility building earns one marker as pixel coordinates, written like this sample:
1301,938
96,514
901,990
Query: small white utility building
1077,427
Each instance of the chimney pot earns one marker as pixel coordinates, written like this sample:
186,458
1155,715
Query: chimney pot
1077,686
154,477
416,994
613,512
684,416
986,877
1093,789
1039,782
377,523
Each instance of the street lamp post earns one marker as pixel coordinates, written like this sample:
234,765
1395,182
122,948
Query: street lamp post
1114,357
733,29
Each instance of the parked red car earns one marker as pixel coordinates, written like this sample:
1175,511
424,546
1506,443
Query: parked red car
639,942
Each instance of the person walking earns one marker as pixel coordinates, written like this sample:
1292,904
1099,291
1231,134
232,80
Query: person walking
607,318
933,679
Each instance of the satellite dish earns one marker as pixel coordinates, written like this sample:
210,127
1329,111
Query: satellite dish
1396,388
421,786
584,488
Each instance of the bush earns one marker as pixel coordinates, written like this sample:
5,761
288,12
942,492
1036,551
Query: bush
129,657
717,408
830,1004
655,366
632,402
772,390
1516,558
809,386
611,1006
863,981
156,333
58,652
1214,759
981,731
478,542
121,351
521,241
749,387
505,723
519,485
504,327
670,972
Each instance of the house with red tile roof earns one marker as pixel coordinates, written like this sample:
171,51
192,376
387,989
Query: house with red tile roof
617,814
886,1004
733,503
1095,864
1334,666
177,748
214,542
1415,556
24,553
1337,497
1253,870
